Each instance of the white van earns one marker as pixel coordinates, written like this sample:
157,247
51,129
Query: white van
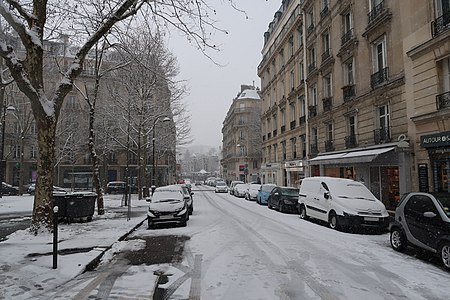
341,202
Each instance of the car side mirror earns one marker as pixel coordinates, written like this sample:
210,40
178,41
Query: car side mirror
326,195
429,214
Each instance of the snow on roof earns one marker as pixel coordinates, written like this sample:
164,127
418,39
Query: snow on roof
249,94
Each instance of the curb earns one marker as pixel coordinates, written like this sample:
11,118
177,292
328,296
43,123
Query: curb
94,263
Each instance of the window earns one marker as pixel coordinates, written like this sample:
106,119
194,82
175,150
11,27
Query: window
294,148
283,147
348,72
383,117
283,117
313,94
442,7
291,46
303,141
292,80
71,102
33,152
327,86
347,22
16,151
312,59
275,151
352,125
274,123
302,106
269,153
445,70
273,97
329,131
300,36
301,71
379,55
417,205
310,19
314,139
282,89
281,58
292,112
326,44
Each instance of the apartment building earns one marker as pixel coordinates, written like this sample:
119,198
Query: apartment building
241,143
427,69
334,95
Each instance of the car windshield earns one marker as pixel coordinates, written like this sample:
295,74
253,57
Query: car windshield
289,192
167,196
268,188
444,201
221,184
353,190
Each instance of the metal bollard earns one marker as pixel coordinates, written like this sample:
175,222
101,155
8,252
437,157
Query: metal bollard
55,237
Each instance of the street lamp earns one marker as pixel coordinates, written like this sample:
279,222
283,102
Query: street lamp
2,148
166,119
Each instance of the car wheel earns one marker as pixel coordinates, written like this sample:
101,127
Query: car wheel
333,221
303,214
445,254
397,239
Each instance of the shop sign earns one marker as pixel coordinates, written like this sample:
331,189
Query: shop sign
293,164
435,140
270,166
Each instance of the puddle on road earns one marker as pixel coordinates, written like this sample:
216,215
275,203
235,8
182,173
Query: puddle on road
158,250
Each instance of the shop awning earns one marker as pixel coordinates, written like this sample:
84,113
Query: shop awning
359,156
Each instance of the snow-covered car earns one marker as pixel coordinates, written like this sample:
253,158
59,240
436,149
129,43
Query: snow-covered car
233,185
9,190
252,191
221,187
56,189
189,197
341,202
422,220
264,193
240,190
167,205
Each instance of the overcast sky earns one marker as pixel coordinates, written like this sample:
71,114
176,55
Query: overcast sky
212,88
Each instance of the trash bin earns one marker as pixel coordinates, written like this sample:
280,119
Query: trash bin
76,205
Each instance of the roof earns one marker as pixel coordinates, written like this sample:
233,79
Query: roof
249,94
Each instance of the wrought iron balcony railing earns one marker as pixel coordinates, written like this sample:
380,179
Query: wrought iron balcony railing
312,110
379,77
329,146
325,11
376,12
441,24
346,37
443,100
314,149
275,133
327,103
293,123
311,68
283,129
302,120
381,135
348,92
350,141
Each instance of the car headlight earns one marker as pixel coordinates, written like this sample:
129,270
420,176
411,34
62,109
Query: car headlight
182,212
346,214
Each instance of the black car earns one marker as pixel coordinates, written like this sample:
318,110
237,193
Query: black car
422,220
9,190
283,199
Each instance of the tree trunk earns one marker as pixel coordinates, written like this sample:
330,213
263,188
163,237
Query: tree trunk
43,198
95,167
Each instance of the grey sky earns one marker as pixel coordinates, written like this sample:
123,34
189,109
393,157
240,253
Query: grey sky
212,88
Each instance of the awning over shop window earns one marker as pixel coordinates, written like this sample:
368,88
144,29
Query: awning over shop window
359,156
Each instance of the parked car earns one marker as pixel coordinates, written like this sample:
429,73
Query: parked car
9,190
167,205
56,189
115,187
341,202
422,220
221,187
240,190
283,199
188,195
264,192
233,184
252,191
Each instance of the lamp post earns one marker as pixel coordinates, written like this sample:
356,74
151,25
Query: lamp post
166,119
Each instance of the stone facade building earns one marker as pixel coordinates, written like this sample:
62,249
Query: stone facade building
357,89
241,144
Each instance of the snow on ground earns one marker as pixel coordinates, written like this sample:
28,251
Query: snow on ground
237,250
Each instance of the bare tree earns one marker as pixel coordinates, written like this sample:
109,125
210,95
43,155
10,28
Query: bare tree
37,20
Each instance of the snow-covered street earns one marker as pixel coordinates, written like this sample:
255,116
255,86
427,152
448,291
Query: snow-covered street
238,249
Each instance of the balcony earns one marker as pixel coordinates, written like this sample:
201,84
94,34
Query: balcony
376,12
381,136
311,68
327,103
346,37
379,77
283,129
275,133
292,125
314,149
329,146
325,12
348,92
326,54
350,141
269,135
312,110
302,120
310,29
441,24
443,100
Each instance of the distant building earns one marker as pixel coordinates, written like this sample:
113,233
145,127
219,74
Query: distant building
241,143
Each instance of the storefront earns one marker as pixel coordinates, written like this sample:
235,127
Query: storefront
384,169
271,173
438,147
295,171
